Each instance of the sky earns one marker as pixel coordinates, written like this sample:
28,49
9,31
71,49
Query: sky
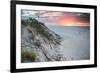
59,18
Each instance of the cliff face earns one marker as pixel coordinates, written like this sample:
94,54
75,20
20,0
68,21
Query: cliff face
38,43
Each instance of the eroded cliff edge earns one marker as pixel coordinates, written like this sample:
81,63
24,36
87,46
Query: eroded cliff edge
38,43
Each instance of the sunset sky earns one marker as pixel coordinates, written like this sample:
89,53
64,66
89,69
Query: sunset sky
59,18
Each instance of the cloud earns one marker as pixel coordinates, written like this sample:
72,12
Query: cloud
59,17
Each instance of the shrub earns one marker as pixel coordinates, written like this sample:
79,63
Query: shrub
27,55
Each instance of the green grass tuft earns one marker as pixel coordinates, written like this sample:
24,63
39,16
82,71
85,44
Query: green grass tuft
27,55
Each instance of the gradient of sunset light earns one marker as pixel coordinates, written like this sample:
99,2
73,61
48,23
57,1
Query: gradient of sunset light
60,18
70,21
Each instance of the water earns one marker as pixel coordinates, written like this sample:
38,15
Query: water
76,41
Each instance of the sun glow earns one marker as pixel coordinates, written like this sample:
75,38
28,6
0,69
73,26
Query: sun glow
75,24
68,24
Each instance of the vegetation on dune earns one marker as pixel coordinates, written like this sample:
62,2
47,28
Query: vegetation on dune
39,34
27,54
